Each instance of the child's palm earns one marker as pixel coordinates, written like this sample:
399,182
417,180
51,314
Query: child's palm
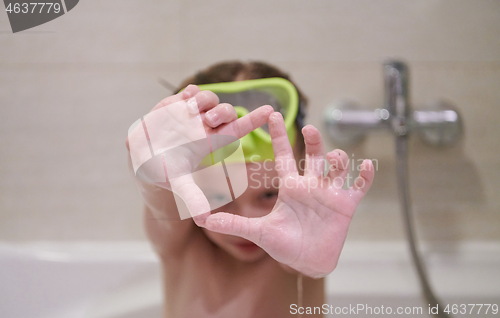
308,225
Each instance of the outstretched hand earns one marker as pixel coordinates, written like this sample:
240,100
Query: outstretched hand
167,144
308,225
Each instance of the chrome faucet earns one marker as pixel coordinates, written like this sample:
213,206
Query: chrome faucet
348,123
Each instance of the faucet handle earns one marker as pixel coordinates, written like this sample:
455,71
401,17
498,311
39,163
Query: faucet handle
438,125
348,123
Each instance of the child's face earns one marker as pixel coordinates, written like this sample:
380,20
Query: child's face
258,200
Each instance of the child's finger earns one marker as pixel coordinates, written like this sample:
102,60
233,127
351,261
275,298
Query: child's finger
283,154
231,224
203,101
196,101
315,161
193,198
185,94
220,114
339,166
242,126
201,219
365,179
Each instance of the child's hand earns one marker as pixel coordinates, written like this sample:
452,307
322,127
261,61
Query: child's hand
168,144
308,225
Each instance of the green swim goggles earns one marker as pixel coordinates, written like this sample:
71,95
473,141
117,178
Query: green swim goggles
247,96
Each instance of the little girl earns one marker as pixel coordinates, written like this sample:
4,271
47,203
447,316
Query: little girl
266,250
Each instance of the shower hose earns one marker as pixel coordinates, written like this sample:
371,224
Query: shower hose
404,198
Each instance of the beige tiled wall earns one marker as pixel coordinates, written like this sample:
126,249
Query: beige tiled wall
70,88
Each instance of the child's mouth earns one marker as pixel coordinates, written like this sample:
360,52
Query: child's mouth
247,246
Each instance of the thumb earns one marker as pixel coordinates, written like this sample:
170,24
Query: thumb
231,224
190,199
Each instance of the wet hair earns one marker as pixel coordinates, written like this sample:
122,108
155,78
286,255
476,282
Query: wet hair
231,71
